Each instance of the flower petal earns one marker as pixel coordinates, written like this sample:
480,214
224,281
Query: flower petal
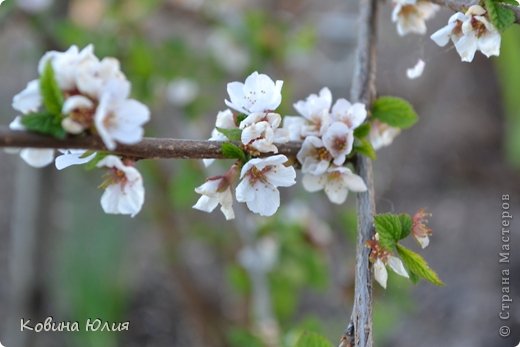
380,273
397,265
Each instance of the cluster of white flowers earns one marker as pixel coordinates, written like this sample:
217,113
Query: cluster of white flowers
328,138
326,132
95,101
411,15
470,32
259,127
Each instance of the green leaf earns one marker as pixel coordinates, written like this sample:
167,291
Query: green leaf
94,161
232,134
394,111
364,147
362,131
51,92
392,228
417,267
388,226
309,339
232,151
501,17
509,2
406,225
241,117
44,123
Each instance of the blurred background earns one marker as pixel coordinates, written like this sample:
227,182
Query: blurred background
185,278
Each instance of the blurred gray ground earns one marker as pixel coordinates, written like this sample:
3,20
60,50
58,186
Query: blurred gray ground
451,163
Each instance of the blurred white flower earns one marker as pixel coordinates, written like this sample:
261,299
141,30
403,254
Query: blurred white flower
93,75
313,156
258,94
29,99
470,32
411,15
338,139
262,256
69,157
182,91
37,157
336,181
124,191
214,191
79,111
34,6
67,65
260,179
294,125
382,134
232,57
416,71
118,118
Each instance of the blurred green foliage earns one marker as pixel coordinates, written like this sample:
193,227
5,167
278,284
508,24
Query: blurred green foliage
509,76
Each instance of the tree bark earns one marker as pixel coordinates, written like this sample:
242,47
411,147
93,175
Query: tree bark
359,330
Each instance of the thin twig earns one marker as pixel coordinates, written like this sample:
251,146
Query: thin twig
148,148
463,5
359,330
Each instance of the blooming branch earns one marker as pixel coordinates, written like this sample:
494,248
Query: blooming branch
148,148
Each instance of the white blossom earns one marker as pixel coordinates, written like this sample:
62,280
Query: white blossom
35,157
260,179
225,120
313,156
215,191
411,15
258,94
294,125
382,134
67,65
29,99
93,75
416,71
118,118
124,192
260,131
336,181
79,111
420,230
316,110
380,272
352,115
69,157
338,139
470,32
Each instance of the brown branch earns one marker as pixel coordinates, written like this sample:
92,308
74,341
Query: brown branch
148,148
359,330
463,5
